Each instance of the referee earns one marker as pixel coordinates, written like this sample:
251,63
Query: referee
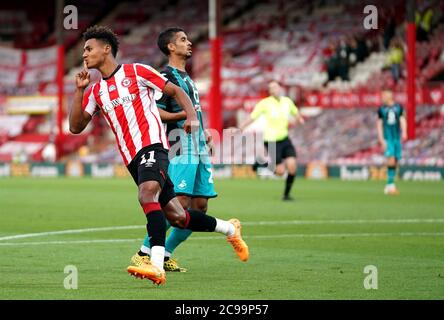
279,112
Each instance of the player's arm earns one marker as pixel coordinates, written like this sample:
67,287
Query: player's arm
380,130
171,116
403,124
151,78
164,103
380,133
79,118
191,123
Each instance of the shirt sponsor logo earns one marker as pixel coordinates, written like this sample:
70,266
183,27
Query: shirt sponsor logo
118,101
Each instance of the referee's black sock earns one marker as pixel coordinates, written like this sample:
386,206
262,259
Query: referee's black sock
289,184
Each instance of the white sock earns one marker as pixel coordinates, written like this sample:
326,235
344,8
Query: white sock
225,227
157,256
145,249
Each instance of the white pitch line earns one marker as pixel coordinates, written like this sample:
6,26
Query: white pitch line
5,244
350,221
294,235
72,231
255,223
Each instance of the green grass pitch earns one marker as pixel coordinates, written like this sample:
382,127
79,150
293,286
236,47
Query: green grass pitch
313,248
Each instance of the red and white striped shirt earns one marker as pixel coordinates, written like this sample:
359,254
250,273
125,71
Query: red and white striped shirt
126,99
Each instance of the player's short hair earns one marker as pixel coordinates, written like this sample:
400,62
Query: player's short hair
104,34
166,37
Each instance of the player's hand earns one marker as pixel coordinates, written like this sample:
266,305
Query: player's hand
404,136
383,145
191,125
208,136
209,141
83,78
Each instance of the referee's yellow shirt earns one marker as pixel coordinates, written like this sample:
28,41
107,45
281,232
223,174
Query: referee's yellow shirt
277,115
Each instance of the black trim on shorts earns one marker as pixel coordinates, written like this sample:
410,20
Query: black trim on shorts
183,194
206,197
194,196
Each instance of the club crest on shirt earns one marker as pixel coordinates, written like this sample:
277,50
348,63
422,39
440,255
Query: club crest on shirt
126,82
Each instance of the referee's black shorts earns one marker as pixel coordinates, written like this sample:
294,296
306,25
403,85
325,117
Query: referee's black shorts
284,149
151,164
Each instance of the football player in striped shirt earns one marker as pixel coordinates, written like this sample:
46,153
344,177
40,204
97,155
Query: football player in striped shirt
125,97
190,169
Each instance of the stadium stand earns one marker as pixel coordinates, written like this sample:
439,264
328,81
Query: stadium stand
354,141
310,47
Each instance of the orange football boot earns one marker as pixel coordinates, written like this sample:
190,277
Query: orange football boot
148,271
236,241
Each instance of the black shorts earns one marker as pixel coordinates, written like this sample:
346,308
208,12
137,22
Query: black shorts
284,149
151,164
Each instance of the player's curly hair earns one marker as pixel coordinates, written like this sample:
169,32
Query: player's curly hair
104,34
165,37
